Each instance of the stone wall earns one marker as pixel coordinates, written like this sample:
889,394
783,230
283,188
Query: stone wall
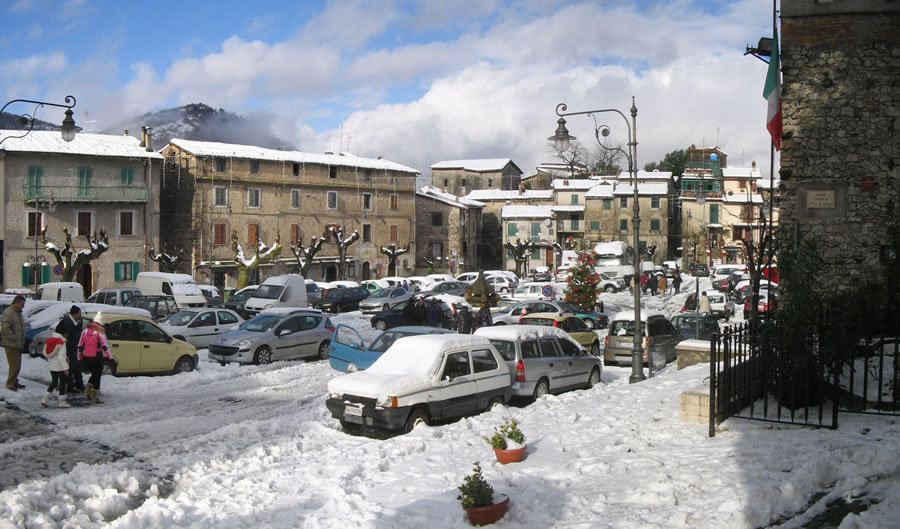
840,158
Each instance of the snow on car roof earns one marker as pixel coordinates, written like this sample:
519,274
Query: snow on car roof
520,332
628,315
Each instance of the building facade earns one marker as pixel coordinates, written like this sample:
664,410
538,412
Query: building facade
448,233
460,177
493,233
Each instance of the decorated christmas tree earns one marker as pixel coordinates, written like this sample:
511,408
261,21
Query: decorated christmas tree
583,281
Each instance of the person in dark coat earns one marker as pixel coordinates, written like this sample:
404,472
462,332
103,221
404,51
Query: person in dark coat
676,282
484,318
690,304
433,314
653,285
71,327
466,320
420,313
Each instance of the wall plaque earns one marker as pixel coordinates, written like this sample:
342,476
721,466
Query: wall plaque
820,199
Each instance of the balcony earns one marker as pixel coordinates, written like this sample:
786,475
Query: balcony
67,194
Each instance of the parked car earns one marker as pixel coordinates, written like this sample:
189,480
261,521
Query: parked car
742,290
348,351
313,292
594,320
341,299
439,278
288,291
610,284
660,336
562,274
722,271
541,274
501,283
695,326
199,327
139,347
534,291
275,334
467,278
721,305
211,293
236,301
543,359
570,323
699,270
395,318
765,301
453,287
421,379
60,291
374,284
159,307
113,295
382,300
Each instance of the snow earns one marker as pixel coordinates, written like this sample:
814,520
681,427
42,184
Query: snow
528,212
253,446
84,143
601,191
483,195
742,198
448,198
186,289
643,189
569,209
492,164
519,332
567,184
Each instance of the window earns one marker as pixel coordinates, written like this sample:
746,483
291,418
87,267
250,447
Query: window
35,181
575,223
332,200
713,213
437,250
126,177
295,198
568,348
511,229
253,197
548,347
623,202
295,233
254,166
607,204
437,218
395,201
595,225
220,165
332,173
490,182
367,201
445,183
654,224
623,224
394,236
368,174
296,169
253,234
85,221
530,350
506,349
483,360
226,318
654,202
220,198
35,223
84,182
535,231
367,233
126,271
457,366
219,234
147,332
574,199
126,223
463,182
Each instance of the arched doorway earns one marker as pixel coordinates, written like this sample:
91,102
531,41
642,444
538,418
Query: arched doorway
330,273
85,277
366,271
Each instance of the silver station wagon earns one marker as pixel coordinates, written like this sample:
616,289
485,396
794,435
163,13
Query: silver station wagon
276,334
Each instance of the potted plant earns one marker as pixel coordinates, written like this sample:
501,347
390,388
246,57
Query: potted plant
508,442
477,498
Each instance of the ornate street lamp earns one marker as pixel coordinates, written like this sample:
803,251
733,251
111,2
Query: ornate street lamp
561,140
67,129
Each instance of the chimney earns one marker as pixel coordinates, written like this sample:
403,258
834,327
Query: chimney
565,181
143,136
149,145
126,132
753,164
379,157
521,188
329,152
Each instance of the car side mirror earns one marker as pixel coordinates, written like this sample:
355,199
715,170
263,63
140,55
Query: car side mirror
355,346
283,332
169,339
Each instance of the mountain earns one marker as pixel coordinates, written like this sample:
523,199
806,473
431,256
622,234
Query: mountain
200,122
13,122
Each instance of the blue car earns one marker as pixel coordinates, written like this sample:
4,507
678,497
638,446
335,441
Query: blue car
348,352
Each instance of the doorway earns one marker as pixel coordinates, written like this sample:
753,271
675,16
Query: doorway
85,277
366,271
330,273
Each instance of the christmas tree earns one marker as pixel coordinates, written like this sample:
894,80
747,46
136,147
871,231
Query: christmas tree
583,281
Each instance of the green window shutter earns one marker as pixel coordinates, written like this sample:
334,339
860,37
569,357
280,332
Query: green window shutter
623,224
536,229
574,199
511,229
117,272
45,273
127,178
654,202
607,204
654,225
135,269
713,213
595,225
26,275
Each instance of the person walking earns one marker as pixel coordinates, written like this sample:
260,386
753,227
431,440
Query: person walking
466,320
652,284
484,318
71,327
676,282
58,363
12,338
703,305
93,349
661,285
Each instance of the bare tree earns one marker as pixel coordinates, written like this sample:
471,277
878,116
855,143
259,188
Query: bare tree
168,262
392,253
70,260
522,251
263,254
343,244
305,254
576,155
607,158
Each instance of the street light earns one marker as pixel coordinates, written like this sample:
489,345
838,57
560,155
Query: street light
67,129
561,140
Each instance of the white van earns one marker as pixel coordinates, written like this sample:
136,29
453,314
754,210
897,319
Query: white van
287,290
180,286
60,291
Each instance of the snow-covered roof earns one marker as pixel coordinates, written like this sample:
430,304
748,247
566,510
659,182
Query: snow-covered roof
741,172
448,198
643,189
48,141
647,175
482,165
600,191
766,183
573,184
520,332
568,208
233,150
527,212
742,198
499,194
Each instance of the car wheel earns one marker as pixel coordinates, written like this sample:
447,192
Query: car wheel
381,325
183,365
222,364
323,350
496,401
417,417
609,289
109,369
542,388
386,307
504,290
594,378
595,349
263,356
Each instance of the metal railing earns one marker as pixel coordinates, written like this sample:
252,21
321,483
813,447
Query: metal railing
60,194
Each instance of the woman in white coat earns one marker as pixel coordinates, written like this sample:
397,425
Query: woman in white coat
58,362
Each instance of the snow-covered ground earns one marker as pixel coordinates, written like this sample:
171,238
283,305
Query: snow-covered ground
247,446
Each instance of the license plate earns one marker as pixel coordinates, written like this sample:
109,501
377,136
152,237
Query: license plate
355,411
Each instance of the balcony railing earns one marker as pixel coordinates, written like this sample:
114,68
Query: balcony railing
62,194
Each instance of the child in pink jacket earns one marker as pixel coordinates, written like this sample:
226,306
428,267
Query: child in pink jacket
93,349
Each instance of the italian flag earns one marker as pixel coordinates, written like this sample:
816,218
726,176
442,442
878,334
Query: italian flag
772,93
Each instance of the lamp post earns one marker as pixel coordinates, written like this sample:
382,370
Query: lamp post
561,140
67,129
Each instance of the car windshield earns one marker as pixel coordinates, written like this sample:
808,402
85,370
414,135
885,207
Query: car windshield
261,323
242,296
546,322
625,328
523,290
386,340
268,292
146,304
334,293
181,318
380,293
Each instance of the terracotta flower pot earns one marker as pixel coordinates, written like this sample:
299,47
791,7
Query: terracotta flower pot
489,513
510,456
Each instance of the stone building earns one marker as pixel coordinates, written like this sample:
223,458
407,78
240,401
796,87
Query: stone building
448,233
213,189
459,177
529,223
840,157
492,234
94,183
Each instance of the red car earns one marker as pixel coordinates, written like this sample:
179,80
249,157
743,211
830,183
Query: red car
763,305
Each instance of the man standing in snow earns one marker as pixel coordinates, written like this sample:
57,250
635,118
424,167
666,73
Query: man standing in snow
661,285
703,306
12,338
71,327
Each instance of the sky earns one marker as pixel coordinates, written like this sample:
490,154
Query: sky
414,81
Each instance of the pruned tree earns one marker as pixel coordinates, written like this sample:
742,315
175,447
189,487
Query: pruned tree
168,262
576,156
759,256
392,253
522,251
305,254
263,254
71,260
607,158
343,244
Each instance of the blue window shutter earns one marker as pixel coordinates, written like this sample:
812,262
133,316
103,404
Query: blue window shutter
117,272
